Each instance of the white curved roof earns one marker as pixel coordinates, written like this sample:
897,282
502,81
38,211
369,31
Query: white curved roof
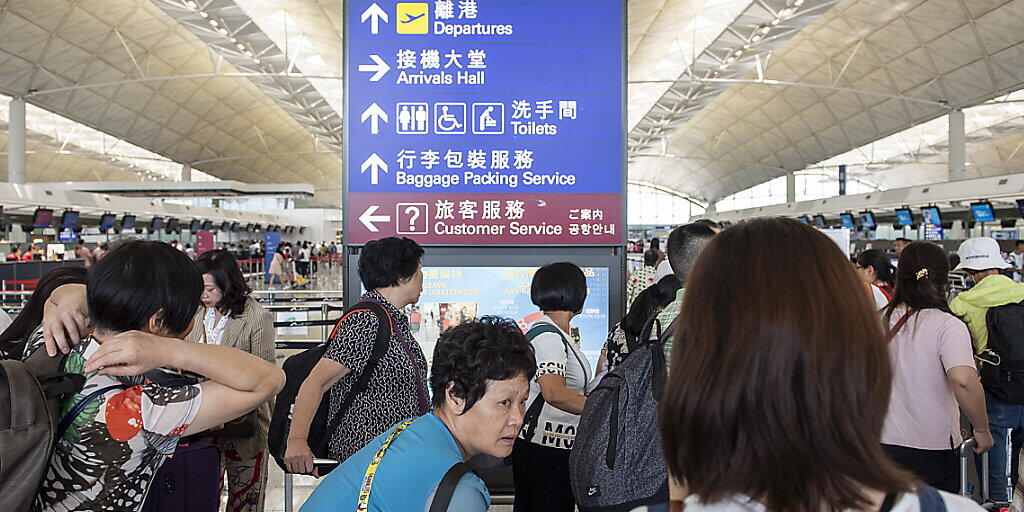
695,126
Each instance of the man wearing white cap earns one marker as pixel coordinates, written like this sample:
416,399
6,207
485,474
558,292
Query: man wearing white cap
981,259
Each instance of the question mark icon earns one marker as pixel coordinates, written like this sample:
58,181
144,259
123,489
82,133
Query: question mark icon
414,215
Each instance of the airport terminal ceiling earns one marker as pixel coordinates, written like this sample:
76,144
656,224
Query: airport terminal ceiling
261,97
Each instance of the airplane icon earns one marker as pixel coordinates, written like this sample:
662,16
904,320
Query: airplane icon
412,18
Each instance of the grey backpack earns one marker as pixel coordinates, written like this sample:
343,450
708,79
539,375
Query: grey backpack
616,462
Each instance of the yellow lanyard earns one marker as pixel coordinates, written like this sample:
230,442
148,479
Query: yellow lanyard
371,470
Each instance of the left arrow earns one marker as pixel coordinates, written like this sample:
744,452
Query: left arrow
368,218
375,14
375,114
379,68
374,164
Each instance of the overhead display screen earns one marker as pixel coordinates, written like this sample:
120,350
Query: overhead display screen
847,220
454,295
904,217
128,222
867,219
982,212
931,216
107,221
42,218
820,222
485,123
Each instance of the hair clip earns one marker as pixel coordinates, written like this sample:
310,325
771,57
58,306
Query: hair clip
922,273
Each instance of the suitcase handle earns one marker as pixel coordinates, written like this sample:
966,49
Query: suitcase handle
967,448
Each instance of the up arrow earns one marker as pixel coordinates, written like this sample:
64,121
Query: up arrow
379,67
374,164
375,14
368,218
375,114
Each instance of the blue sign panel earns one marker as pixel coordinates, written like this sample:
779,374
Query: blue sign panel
484,101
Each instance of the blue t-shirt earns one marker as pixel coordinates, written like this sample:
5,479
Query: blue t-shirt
407,476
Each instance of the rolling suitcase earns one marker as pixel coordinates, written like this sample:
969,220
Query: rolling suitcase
188,481
969,472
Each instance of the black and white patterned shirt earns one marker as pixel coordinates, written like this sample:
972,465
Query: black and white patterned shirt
394,391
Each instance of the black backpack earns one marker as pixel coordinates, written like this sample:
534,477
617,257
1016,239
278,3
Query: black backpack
1002,369
616,463
297,368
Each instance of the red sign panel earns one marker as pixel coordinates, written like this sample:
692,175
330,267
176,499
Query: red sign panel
491,219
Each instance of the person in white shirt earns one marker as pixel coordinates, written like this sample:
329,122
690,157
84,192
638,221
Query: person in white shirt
780,383
540,458
1017,258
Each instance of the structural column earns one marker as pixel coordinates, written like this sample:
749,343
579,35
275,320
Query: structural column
186,172
957,146
791,187
16,142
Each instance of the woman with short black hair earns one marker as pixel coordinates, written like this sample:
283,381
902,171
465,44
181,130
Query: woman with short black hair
557,392
231,317
391,272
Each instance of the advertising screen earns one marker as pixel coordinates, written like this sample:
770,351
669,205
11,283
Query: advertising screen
207,225
819,222
158,224
107,221
904,217
932,216
172,225
42,218
805,219
847,220
867,219
128,222
455,295
194,225
225,226
982,212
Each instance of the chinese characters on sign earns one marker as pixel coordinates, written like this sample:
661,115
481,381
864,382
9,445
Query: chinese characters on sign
485,122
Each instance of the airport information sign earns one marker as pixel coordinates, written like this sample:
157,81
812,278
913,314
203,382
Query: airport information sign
485,122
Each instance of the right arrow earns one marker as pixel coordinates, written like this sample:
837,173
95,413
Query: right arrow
374,164
368,218
375,14
375,114
379,67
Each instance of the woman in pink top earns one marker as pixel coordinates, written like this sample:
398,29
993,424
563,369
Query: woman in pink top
933,373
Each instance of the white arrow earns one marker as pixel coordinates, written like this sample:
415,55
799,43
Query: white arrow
375,114
368,218
379,67
375,14
375,164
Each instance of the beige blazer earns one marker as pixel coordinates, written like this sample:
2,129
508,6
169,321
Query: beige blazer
252,332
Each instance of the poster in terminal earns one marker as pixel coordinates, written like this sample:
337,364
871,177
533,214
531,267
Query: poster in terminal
485,122
454,295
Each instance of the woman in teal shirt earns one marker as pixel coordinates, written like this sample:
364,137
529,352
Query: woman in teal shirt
479,382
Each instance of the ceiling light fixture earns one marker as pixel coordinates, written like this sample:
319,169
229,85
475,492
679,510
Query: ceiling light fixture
214,22
192,4
248,53
798,3
766,29
775,22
